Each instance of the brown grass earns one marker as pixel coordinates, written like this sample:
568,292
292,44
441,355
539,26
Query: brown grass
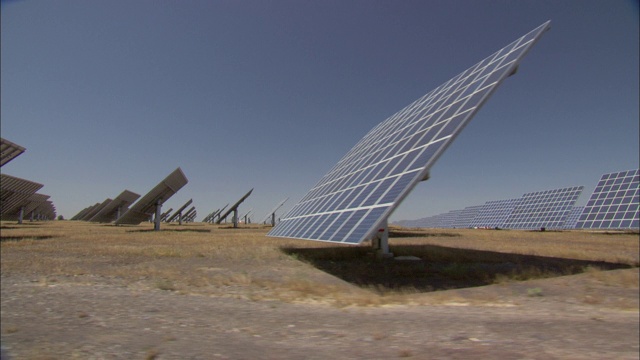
244,263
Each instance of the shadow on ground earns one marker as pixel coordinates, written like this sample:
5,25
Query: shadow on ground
20,238
437,267
172,230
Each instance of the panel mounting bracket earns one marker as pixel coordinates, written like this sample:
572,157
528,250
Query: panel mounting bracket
380,242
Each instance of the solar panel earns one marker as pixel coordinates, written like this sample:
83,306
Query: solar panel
115,208
572,218
354,199
548,209
466,216
9,151
14,192
614,203
234,209
494,214
144,208
95,210
179,211
272,214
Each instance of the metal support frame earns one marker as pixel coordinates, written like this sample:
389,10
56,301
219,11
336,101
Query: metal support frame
156,226
273,218
235,218
380,243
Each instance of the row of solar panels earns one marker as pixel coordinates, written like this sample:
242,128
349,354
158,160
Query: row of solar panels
18,197
121,211
149,206
614,204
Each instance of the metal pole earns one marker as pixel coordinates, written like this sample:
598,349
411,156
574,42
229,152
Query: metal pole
273,219
235,218
156,226
20,215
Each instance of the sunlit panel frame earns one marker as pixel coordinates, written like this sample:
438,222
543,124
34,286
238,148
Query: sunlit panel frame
353,201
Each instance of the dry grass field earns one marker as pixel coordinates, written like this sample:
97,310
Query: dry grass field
77,268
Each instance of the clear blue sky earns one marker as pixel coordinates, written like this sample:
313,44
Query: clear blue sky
114,95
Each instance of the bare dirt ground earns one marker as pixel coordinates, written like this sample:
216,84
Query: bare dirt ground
63,301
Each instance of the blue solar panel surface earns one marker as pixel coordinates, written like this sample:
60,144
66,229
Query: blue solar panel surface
614,203
572,218
548,209
494,213
354,198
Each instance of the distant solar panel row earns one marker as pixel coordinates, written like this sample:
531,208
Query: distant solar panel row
543,209
614,204
351,201
494,214
548,209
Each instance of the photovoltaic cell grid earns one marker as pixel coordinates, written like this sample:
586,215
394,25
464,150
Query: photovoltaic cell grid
466,216
614,203
548,209
572,218
494,213
351,201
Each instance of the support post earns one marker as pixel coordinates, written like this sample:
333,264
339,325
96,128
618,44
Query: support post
273,219
235,217
20,215
156,226
180,218
381,242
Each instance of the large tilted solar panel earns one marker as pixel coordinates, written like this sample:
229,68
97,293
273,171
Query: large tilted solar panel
9,151
144,208
14,192
614,203
351,202
110,212
548,209
494,214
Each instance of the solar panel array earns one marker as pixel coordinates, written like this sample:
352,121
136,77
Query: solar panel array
355,198
18,196
548,209
117,207
15,193
234,207
9,151
614,203
493,214
543,209
572,218
144,208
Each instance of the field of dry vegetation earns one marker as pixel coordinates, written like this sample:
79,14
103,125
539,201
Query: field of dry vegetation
76,290
219,260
